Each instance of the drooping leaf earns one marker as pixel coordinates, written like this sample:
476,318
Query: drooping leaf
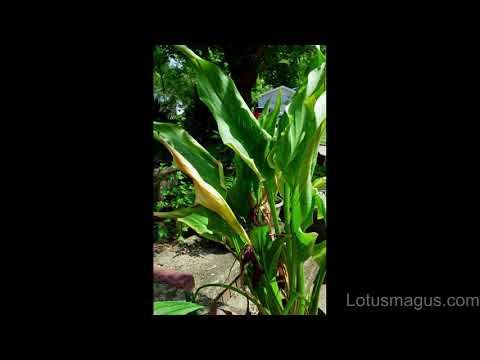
206,173
174,214
237,125
207,224
209,168
174,307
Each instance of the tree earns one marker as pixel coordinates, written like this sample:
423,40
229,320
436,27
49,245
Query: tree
243,61
285,64
255,69
173,86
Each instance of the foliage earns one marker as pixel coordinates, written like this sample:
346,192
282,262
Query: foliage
285,64
274,157
260,88
173,85
180,195
174,77
175,307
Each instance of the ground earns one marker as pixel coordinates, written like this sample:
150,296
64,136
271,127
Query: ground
209,263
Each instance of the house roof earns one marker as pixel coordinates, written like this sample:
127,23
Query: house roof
287,93
288,90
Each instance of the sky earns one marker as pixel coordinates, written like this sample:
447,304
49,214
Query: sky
174,63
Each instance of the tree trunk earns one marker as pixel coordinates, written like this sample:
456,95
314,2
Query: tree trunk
243,63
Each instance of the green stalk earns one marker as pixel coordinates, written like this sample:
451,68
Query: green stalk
289,241
259,306
273,209
286,208
314,299
289,260
293,298
301,288
293,275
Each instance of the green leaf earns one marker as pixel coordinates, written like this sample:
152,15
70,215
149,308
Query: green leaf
306,112
301,176
320,183
295,154
320,201
304,243
272,256
320,257
270,119
237,125
174,307
259,237
207,224
242,195
320,253
177,139
175,213
205,171
292,300
265,111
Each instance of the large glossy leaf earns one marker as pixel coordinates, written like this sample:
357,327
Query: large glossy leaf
237,126
269,251
303,196
302,124
206,173
296,155
242,197
259,237
174,307
270,119
176,138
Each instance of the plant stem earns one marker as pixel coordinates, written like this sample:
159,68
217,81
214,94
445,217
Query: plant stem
273,209
313,308
259,306
286,208
301,288
293,274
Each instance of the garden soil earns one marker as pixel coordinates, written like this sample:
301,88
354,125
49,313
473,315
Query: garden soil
210,263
